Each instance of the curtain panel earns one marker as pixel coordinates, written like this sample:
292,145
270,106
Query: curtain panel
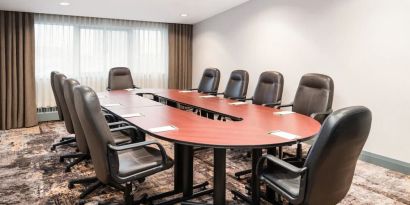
17,87
180,56
85,48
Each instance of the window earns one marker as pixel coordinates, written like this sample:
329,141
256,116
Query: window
86,48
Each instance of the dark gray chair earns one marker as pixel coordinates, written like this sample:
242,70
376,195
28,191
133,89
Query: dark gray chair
327,173
82,147
268,92
120,78
237,86
57,85
116,166
314,98
210,81
52,77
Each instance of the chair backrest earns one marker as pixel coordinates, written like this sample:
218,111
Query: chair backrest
237,86
59,83
97,132
269,88
210,80
314,94
332,159
120,78
52,77
68,88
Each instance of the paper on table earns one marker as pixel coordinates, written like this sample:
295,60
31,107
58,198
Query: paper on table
284,134
207,96
129,89
283,113
111,105
132,115
185,91
238,103
163,129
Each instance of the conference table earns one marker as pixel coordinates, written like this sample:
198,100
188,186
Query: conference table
252,127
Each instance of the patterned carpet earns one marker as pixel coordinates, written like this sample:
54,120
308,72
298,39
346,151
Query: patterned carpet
31,174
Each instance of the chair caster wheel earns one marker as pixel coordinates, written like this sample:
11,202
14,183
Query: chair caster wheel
142,180
70,186
61,160
67,170
53,148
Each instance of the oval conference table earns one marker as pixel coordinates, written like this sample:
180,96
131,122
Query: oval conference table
252,127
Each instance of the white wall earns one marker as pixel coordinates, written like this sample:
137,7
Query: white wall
364,45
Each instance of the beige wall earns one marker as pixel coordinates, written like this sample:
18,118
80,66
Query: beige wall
364,45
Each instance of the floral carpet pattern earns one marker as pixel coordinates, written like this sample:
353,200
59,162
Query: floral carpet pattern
31,174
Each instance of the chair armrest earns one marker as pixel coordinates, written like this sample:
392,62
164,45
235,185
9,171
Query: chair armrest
117,148
109,117
271,104
118,123
285,105
321,116
281,163
124,128
238,99
210,93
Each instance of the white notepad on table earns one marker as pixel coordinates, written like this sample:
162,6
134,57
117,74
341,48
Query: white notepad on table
207,96
163,129
238,103
185,91
129,89
283,113
283,134
111,105
132,115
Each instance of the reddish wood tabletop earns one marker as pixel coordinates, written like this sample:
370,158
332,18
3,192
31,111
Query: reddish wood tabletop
252,131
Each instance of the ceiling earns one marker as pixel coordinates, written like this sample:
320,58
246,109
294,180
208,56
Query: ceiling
144,10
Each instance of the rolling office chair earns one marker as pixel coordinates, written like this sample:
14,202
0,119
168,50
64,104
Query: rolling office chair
268,92
209,82
314,98
327,173
52,76
83,152
116,166
120,78
57,85
237,87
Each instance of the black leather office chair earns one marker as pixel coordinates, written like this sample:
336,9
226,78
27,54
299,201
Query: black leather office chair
209,82
82,147
58,80
327,174
268,92
120,78
52,76
116,166
314,98
237,86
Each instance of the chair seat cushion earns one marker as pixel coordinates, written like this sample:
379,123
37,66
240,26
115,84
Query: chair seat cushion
120,138
138,160
288,181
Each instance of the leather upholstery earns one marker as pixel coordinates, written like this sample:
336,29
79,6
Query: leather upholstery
210,81
98,138
237,86
120,78
314,94
269,88
59,83
69,85
52,77
331,161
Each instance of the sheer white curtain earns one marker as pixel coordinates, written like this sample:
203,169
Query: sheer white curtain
86,48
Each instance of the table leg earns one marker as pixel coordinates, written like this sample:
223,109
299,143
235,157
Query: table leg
178,167
256,154
219,176
188,170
